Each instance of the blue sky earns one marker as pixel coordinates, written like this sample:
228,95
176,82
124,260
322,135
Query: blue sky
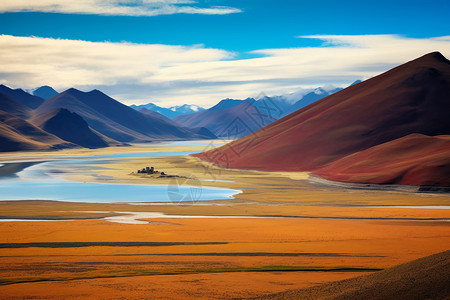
212,49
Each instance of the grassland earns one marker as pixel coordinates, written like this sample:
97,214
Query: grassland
282,232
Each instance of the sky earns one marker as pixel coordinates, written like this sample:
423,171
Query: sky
172,52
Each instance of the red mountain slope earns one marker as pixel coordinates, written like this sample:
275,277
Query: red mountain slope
411,98
414,160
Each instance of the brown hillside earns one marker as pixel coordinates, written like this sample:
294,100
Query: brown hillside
18,135
424,278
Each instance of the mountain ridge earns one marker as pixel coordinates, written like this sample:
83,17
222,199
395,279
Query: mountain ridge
246,116
114,119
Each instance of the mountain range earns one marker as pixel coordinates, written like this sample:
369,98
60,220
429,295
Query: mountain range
74,118
391,129
170,112
232,118
16,133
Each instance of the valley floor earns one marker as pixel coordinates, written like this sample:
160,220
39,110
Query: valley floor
282,232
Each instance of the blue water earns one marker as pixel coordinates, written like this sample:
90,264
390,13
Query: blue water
136,154
61,190
204,143
43,182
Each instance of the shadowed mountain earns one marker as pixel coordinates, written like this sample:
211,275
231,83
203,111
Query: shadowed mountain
17,134
21,96
112,118
72,128
13,107
424,278
411,98
45,92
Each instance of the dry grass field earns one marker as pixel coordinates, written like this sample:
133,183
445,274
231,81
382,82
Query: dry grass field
282,232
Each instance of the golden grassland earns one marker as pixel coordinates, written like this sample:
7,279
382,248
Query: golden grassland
328,229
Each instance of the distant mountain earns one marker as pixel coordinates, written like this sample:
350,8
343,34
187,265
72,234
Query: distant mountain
154,114
388,129
72,128
21,96
170,112
198,130
112,118
236,118
356,82
226,104
313,96
45,92
186,109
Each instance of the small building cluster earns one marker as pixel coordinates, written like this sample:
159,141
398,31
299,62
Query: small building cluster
149,170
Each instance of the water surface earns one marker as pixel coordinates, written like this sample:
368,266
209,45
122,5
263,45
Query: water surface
44,181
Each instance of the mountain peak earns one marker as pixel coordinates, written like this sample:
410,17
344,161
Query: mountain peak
71,91
436,56
45,92
225,104
430,59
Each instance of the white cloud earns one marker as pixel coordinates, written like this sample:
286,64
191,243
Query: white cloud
138,73
115,7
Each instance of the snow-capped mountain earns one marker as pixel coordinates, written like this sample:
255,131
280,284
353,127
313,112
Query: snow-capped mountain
170,112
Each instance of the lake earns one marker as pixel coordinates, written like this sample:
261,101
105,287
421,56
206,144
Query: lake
43,180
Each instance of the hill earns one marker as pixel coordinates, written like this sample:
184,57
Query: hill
412,98
415,159
424,278
73,128
17,134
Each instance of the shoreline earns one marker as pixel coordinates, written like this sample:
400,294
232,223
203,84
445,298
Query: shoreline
212,175
10,169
